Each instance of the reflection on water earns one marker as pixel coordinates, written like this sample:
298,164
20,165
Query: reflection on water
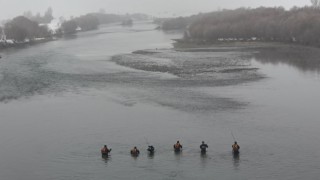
203,153
178,155
151,155
236,159
106,158
70,36
303,58
204,160
134,156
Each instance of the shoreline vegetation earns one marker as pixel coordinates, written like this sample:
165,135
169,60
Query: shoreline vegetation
29,29
299,25
182,44
242,26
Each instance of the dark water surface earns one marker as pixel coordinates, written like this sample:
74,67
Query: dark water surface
62,100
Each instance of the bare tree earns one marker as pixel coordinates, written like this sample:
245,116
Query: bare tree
298,25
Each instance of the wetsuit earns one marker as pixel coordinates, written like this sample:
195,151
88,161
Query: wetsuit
151,149
203,147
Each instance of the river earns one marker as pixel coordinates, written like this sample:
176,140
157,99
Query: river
63,100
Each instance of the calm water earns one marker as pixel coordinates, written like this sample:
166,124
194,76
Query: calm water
62,100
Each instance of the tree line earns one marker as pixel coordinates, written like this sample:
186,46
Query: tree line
27,27
85,23
179,23
30,27
21,28
92,21
299,25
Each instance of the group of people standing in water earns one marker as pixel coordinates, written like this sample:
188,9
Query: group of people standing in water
177,147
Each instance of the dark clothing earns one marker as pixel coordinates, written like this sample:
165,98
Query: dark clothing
151,149
203,146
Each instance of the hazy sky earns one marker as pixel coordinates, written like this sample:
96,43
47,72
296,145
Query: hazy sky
11,8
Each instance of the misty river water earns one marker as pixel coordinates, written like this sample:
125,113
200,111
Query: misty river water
63,100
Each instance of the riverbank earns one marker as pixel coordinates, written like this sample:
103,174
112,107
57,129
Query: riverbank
180,43
12,44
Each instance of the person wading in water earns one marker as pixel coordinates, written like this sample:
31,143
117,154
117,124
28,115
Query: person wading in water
135,151
235,148
151,149
203,147
177,147
105,150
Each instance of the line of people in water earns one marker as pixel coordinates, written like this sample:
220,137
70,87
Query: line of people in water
177,147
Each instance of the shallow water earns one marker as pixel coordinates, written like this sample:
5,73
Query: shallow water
61,101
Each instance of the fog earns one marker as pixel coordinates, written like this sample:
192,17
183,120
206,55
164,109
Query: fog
12,8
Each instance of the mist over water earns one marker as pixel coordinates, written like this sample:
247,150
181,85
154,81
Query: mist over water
62,100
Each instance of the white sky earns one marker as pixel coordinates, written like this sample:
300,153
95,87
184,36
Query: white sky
12,8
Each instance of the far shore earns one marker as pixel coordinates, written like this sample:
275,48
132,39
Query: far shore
305,58
181,44
6,45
